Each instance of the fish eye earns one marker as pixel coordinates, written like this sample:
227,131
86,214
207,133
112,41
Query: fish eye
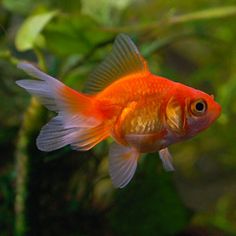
198,107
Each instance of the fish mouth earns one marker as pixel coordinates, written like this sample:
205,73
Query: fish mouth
216,111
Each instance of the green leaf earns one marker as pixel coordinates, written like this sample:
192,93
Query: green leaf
82,33
104,11
22,7
30,30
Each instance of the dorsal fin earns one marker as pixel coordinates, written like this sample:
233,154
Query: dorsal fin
124,59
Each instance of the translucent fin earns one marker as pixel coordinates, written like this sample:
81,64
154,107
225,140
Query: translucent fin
53,135
45,89
40,90
34,72
166,159
122,164
77,110
125,59
88,138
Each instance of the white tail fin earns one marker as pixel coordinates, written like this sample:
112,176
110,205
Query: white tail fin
79,120
53,135
56,96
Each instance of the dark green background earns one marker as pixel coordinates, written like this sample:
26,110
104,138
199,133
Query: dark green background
70,193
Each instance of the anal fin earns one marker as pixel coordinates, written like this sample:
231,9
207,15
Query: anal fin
122,164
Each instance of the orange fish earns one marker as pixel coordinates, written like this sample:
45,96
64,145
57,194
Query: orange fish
142,112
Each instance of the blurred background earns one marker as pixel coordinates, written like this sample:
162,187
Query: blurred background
70,193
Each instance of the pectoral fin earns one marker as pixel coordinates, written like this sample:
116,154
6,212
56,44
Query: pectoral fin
122,164
166,159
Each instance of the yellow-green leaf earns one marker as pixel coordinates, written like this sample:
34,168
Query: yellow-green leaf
30,30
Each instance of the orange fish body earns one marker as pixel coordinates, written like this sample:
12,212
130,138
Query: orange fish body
142,112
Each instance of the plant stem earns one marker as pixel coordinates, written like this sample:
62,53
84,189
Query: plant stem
218,12
31,120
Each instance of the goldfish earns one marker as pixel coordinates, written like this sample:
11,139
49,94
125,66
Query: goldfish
140,111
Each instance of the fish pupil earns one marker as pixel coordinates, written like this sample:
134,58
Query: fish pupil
200,106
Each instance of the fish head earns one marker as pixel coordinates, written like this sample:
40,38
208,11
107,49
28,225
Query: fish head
188,112
201,110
